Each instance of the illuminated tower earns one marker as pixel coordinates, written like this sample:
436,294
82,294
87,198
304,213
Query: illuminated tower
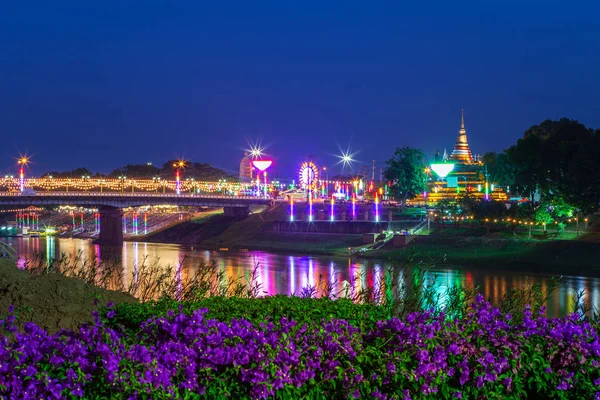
461,151
245,168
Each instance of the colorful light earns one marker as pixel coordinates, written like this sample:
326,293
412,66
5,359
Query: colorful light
487,194
266,188
309,176
97,222
22,162
124,223
310,206
262,165
354,206
145,223
443,169
376,207
291,209
332,205
135,223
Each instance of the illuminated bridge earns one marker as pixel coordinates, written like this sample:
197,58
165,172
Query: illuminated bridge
110,196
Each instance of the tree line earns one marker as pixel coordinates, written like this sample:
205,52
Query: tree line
196,170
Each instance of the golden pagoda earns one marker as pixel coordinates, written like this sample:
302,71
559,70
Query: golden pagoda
465,176
461,152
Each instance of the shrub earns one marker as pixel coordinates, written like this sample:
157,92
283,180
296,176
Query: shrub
483,354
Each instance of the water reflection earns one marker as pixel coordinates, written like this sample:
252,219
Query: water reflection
289,274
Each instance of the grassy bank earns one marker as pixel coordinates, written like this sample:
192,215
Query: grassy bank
568,257
51,300
397,339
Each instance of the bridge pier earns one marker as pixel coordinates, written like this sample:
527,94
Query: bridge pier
111,226
237,212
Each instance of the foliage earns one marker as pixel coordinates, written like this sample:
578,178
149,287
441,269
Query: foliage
542,215
137,171
406,171
489,209
304,310
559,158
76,173
484,353
499,168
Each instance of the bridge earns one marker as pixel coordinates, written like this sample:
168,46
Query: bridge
110,197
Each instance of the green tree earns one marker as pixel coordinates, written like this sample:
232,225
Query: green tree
559,158
499,167
406,171
542,215
137,171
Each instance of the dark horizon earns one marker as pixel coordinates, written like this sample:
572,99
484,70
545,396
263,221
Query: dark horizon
152,82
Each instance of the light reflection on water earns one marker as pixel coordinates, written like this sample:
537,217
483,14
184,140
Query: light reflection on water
287,274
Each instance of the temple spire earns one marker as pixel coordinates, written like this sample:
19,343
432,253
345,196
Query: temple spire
461,150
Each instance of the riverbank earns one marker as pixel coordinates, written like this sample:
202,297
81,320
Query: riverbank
562,257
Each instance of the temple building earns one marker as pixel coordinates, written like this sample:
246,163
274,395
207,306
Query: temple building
467,176
461,152
246,168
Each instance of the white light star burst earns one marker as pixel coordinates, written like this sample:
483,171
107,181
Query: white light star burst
256,150
346,159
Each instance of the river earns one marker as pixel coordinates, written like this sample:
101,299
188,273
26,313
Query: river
285,274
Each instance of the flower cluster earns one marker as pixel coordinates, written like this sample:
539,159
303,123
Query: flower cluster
482,355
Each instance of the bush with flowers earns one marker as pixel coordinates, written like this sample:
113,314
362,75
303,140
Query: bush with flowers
186,354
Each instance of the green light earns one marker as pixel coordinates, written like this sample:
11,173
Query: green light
442,170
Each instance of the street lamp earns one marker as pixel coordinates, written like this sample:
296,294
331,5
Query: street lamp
179,165
85,179
156,180
262,166
122,179
22,162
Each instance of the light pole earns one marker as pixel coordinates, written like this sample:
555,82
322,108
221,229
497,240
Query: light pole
85,179
22,162
179,165
50,182
156,180
122,179
262,166
326,181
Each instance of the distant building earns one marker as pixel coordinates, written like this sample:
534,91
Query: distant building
245,168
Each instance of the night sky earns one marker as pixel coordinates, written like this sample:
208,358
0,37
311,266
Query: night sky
105,83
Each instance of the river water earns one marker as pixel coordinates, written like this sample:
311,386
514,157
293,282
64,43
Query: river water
285,274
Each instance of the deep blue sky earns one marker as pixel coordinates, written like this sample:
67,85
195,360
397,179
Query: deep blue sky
105,83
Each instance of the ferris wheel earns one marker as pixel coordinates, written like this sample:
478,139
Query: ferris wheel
309,175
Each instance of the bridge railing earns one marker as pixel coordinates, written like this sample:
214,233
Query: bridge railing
112,194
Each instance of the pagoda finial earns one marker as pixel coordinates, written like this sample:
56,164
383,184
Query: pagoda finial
461,150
